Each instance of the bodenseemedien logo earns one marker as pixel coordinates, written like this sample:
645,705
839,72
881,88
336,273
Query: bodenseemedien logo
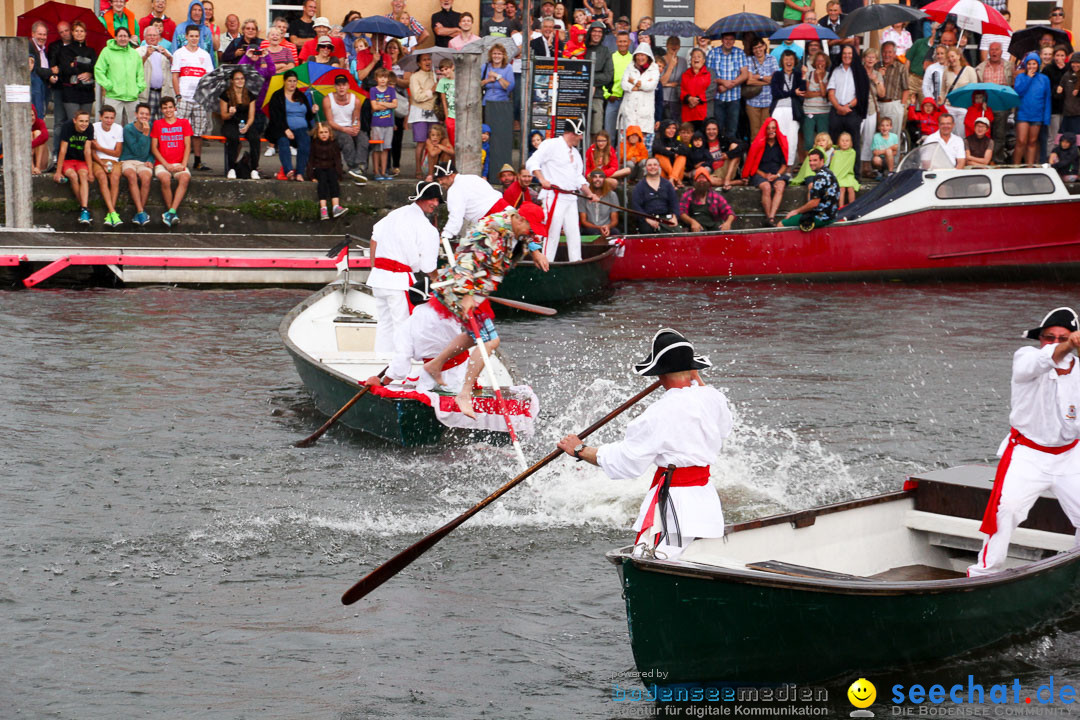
862,694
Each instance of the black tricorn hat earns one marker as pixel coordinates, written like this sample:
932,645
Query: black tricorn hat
427,191
445,169
671,352
1058,317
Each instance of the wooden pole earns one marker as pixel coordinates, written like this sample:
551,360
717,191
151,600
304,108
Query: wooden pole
526,79
469,112
15,117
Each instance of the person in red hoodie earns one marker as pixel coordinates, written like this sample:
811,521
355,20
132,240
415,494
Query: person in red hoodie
979,108
927,117
694,90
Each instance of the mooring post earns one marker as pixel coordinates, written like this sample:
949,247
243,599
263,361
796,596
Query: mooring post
469,113
15,118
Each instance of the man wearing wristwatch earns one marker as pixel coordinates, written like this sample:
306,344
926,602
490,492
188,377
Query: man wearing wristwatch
680,434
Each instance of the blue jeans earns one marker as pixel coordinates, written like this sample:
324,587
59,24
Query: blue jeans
727,116
611,117
39,92
303,146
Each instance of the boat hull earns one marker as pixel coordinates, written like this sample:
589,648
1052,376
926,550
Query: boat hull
565,282
709,631
954,242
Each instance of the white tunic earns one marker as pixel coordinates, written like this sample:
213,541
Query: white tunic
685,427
428,334
467,200
1041,398
407,236
561,164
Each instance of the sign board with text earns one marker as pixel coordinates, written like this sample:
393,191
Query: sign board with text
560,95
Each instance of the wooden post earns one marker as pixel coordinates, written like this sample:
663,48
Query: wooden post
469,112
15,118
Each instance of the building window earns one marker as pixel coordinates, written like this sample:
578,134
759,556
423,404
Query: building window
1038,11
289,9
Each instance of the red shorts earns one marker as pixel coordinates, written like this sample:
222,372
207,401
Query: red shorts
450,129
75,165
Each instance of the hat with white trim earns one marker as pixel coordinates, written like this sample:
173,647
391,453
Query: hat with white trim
1058,317
671,352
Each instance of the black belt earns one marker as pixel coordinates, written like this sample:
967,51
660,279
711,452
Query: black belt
663,498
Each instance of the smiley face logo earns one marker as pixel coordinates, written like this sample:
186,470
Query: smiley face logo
862,693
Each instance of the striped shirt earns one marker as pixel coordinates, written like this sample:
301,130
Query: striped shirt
726,66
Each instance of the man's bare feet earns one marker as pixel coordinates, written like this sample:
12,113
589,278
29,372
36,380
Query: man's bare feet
464,403
436,374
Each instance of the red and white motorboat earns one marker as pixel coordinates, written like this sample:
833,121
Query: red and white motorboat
927,220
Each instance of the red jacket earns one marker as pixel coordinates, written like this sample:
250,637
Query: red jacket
928,121
695,85
609,167
167,32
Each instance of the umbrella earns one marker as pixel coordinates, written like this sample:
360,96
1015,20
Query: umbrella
217,80
411,62
52,13
305,73
998,97
970,15
740,23
875,17
380,25
1024,41
483,45
677,28
323,85
804,31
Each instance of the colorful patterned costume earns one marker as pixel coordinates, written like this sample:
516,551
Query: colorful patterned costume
487,246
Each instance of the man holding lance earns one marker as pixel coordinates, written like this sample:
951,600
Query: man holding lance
486,253
1040,452
402,243
680,434
468,198
558,166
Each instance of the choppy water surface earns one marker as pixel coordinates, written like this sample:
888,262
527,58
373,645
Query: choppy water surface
165,552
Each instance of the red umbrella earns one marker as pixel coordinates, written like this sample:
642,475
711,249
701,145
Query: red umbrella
52,13
970,15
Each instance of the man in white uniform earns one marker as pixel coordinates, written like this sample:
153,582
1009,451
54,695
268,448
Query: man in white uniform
558,166
402,243
680,434
951,144
1040,452
468,198
430,328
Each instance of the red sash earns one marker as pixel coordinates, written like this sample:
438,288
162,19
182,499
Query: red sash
692,476
454,361
989,521
499,206
392,265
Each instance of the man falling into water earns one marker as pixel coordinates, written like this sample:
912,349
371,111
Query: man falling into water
1040,452
680,434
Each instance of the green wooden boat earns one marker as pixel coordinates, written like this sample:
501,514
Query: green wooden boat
565,282
332,340
846,589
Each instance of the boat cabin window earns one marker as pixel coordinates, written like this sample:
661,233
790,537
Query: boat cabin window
966,186
1027,184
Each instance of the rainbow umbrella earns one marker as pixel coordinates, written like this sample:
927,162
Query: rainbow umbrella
304,74
323,85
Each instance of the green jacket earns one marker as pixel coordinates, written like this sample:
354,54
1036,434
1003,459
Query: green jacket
119,72
619,63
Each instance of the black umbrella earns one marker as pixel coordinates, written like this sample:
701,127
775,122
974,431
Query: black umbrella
875,17
379,25
677,28
740,23
1024,41
214,83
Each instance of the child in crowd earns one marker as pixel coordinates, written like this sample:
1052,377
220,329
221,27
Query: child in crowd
979,108
39,138
108,142
383,98
670,153
137,162
535,138
437,148
926,117
1065,158
697,154
76,141
885,147
445,94
485,146
634,152
823,142
575,47
324,165
843,167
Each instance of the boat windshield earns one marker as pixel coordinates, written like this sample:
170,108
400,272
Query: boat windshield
888,190
929,156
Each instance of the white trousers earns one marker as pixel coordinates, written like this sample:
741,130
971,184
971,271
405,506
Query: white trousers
866,136
1030,473
392,329
785,119
563,219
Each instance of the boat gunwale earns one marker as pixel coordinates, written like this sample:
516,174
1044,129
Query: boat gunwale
867,586
611,249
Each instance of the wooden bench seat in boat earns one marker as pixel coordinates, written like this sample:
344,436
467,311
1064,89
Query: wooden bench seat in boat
964,534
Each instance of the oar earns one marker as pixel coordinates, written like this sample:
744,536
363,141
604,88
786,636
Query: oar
311,439
650,216
519,305
406,557
494,382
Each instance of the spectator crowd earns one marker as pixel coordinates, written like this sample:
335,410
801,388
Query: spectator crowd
676,123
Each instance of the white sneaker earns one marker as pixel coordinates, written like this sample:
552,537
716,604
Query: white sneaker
269,152
293,150
231,174
254,174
